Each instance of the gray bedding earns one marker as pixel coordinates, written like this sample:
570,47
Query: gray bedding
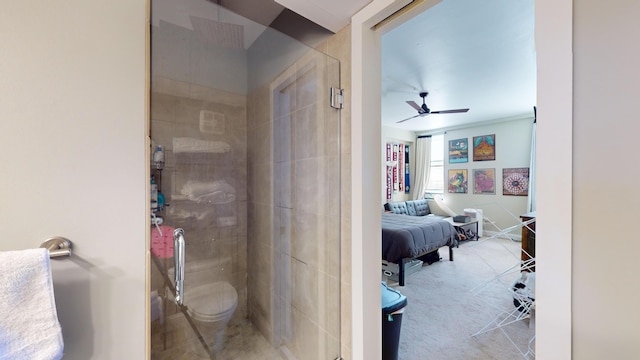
406,236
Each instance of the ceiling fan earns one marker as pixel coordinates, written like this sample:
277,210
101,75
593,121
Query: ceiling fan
424,110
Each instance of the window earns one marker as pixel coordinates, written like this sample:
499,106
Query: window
436,166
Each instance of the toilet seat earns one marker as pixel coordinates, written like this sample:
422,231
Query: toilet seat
211,302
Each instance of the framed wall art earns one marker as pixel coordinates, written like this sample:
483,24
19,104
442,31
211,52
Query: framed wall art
515,181
484,147
458,151
458,181
484,181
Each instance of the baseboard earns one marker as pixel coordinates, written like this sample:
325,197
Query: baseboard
501,235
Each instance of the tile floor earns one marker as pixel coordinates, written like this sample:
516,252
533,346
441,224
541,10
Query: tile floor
242,342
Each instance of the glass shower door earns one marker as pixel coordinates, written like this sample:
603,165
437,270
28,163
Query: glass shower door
251,172
306,153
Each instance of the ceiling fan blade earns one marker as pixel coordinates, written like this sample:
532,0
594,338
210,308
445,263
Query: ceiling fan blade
450,111
415,106
409,118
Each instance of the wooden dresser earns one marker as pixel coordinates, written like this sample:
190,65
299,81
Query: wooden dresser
529,238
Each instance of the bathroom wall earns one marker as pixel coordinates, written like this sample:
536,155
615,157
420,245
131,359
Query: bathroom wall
73,116
339,47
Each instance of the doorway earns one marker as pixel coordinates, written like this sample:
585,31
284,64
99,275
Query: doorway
554,60
480,57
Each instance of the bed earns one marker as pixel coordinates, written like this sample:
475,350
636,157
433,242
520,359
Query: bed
405,237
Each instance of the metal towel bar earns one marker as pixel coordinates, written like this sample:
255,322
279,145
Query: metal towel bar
57,246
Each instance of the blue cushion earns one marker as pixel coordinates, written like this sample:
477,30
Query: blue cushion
421,207
398,207
411,208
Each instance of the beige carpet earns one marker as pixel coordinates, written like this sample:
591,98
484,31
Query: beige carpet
449,302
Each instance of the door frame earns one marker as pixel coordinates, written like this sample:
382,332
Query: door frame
553,32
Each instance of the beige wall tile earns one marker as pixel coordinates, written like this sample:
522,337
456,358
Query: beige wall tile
309,133
163,106
284,190
162,133
261,106
311,342
306,88
170,86
260,139
316,227
283,138
284,234
260,184
260,228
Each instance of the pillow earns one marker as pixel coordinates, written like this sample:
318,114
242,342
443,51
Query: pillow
411,208
398,207
422,207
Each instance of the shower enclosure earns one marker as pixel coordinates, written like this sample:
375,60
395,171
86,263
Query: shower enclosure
251,173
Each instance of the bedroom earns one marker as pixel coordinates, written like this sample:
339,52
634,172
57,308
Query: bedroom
493,73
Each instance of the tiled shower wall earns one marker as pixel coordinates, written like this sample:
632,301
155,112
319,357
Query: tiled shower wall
339,47
175,113
215,227
299,247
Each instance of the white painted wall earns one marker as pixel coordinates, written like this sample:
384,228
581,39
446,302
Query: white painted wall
72,115
605,179
513,150
553,32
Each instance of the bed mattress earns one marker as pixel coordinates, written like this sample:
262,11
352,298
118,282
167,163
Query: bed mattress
406,236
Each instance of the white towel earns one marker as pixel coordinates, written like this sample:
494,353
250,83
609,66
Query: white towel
192,145
29,327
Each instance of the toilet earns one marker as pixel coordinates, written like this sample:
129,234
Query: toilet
210,300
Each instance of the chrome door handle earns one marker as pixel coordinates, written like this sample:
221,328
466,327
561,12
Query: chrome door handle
178,264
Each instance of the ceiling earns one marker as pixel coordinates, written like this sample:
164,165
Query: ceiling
467,54
332,14
217,20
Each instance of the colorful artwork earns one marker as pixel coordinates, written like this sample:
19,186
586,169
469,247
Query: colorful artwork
484,181
515,181
484,147
458,181
458,151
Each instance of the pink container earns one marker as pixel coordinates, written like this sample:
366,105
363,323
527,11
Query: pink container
162,245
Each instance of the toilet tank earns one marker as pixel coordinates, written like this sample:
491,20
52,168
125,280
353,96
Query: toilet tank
197,272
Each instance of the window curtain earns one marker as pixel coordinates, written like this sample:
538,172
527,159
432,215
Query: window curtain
423,166
531,199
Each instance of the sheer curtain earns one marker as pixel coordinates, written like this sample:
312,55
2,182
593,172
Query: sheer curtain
423,160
